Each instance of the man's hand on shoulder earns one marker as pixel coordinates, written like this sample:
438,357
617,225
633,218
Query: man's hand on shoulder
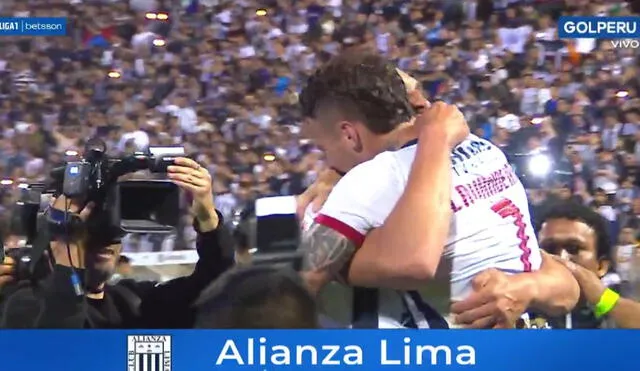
445,121
327,254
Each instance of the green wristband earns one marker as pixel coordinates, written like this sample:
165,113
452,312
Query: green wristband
607,302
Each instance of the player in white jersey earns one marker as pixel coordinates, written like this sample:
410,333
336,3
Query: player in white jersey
357,108
490,225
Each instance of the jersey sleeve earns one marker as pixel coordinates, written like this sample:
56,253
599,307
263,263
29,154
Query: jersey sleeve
362,199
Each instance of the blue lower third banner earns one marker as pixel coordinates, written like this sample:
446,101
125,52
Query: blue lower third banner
201,350
33,26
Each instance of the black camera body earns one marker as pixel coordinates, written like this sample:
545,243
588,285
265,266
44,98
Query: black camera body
29,266
92,175
270,231
129,206
32,256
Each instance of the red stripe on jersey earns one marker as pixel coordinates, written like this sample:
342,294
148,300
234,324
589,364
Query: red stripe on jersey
341,227
507,208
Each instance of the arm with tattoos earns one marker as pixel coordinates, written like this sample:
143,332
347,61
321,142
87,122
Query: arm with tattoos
326,254
350,212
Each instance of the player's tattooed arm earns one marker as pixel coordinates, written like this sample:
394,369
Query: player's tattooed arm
326,256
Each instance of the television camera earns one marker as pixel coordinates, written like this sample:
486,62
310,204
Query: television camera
31,255
121,206
131,206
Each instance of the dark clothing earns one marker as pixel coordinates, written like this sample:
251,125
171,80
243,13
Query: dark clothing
129,304
581,318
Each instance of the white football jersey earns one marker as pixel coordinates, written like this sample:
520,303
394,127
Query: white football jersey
490,227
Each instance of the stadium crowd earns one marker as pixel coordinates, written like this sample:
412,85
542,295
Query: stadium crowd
222,79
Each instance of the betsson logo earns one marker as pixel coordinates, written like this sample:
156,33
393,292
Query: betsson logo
625,44
35,26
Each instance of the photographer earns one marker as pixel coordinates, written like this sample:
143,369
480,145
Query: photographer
58,302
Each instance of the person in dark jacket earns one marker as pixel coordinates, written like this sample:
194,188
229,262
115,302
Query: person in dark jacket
55,302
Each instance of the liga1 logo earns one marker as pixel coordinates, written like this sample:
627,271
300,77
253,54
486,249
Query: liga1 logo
623,32
148,353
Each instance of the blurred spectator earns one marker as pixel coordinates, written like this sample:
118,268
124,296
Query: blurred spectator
257,298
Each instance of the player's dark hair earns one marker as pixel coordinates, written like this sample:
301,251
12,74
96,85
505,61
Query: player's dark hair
363,86
572,210
256,297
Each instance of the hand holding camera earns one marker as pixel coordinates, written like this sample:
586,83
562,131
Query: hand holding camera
6,271
193,178
92,186
71,255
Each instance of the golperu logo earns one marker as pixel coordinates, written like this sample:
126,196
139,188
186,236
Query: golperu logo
599,27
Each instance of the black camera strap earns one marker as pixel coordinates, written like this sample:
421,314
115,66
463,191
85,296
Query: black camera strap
41,245
61,224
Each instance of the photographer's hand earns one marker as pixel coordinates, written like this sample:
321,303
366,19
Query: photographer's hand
195,179
62,251
6,271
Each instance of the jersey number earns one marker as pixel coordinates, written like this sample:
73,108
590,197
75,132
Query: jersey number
506,209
